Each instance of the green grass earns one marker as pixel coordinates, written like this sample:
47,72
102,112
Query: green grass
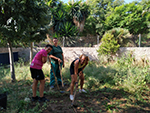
121,77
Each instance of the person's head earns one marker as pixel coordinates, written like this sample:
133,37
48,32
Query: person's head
55,41
48,48
84,58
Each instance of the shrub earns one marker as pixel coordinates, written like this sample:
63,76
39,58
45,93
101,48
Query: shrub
109,45
112,40
121,35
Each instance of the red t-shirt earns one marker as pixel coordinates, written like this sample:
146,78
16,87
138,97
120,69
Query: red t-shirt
37,61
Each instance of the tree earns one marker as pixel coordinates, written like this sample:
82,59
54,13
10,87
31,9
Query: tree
79,11
128,16
99,10
65,19
146,9
63,27
18,21
95,23
38,17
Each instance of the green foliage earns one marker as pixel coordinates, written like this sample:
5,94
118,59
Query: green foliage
121,35
90,26
131,77
62,19
95,23
146,8
128,16
37,21
110,85
62,22
112,40
22,22
109,45
78,10
26,23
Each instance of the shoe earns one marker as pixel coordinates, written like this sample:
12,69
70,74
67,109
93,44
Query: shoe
71,97
43,99
82,90
51,87
34,99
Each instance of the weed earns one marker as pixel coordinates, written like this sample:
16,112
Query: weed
116,84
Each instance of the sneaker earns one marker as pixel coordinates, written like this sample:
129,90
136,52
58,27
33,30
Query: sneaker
43,99
51,87
34,99
71,97
82,90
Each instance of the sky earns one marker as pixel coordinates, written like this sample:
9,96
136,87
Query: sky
126,1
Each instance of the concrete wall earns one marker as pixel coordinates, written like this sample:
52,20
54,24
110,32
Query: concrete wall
71,53
137,52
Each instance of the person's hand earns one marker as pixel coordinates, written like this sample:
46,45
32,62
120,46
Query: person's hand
76,83
59,60
63,64
80,73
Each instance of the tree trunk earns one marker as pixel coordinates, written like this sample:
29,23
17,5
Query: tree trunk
97,39
11,59
31,52
134,40
63,41
139,40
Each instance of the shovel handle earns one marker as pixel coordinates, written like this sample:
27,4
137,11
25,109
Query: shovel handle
75,93
53,73
61,75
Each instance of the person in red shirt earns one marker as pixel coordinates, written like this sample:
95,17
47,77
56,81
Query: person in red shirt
37,73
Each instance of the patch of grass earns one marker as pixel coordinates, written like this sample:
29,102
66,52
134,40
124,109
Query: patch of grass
113,87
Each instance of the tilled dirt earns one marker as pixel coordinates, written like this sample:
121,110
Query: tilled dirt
99,101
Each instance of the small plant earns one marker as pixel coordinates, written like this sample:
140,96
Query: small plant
112,40
109,45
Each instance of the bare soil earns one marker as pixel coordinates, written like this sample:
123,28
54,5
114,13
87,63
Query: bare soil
100,101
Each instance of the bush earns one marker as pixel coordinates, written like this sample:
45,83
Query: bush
109,45
112,40
121,36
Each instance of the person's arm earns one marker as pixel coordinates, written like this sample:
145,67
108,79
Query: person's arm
44,59
52,56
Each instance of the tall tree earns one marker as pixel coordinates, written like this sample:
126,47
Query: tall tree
38,17
128,16
66,17
79,11
95,23
19,20
63,27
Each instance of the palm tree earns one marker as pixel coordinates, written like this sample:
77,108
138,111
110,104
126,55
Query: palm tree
79,11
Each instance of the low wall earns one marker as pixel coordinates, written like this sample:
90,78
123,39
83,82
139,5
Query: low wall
70,53
137,52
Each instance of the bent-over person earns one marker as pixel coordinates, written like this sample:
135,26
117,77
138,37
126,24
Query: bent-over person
77,67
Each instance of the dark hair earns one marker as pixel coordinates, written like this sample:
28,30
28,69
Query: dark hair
55,38
48,45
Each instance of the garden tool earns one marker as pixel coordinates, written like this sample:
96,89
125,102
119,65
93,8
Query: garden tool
55,76
61,75
72,104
